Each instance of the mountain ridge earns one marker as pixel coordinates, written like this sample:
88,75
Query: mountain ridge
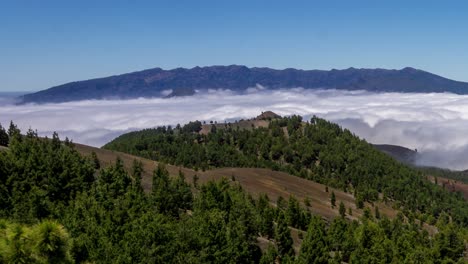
157,82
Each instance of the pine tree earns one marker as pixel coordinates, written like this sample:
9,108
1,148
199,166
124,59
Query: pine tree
16,247
3,136
181,192
13,130
293,212
280,203
46,242
137,170
55,141
359,202
160,191
377,212
95,160
333,199
367,213
195,180
270,255
283,237
266,223
342,209
160,180
51,242
314,248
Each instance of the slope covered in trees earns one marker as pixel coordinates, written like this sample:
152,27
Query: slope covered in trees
57,207
317,150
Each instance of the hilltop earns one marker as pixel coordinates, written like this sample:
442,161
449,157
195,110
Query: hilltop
185,82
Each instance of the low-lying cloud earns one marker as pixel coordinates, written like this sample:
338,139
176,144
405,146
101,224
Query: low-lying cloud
434,124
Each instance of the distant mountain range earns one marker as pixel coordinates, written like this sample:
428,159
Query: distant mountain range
183,82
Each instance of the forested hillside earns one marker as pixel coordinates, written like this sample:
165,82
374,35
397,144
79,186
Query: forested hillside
60,207
317,150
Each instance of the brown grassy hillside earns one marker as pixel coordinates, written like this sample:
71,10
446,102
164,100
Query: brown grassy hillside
254,180
257,181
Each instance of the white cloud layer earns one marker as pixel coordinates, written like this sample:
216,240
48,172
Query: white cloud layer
435,124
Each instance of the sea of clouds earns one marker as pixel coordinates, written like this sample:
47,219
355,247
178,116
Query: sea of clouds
435,124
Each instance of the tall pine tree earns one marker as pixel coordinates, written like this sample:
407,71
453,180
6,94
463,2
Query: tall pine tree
314,248
283,237
3,136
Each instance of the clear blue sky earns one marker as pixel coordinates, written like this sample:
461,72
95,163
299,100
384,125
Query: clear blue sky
46,43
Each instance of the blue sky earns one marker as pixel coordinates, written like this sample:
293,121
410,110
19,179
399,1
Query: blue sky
46,43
